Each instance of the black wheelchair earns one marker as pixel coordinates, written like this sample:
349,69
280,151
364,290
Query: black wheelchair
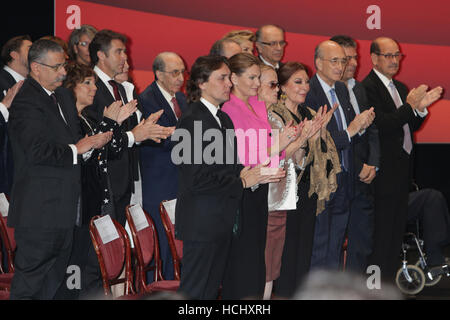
412,278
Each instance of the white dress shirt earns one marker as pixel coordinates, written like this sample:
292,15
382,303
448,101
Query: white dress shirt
326,88
277,66
386,82
212,108
168,98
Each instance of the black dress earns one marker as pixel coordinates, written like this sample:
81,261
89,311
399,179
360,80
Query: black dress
300,223
96,199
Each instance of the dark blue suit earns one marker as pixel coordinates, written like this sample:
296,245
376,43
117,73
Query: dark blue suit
332,222
159,175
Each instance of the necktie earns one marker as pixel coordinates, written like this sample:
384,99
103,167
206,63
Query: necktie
337,114
53,96
407,142
221,115
176,108
115,87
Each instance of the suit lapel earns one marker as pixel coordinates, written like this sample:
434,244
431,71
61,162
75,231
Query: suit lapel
385,95
168,112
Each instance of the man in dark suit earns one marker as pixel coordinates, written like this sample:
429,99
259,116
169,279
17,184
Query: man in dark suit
326,89
45,140
270,45
108,55
15,58
210,190
159,174
366,162
398,115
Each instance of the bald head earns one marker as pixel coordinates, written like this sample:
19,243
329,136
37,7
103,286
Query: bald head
169,71
330,61
385,54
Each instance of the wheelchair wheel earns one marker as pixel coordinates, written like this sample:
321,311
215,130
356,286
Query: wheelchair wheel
417,277
428,282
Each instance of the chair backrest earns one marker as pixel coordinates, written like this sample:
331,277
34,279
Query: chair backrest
176,246
145,240
112,245
7,233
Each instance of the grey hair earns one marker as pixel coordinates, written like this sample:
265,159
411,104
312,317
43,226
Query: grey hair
75,36
40,48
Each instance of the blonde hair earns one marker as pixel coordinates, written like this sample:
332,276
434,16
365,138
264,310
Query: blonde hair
240,36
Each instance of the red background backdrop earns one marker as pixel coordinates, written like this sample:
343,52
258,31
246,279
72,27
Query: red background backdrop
190,28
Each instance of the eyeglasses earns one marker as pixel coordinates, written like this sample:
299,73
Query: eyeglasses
352,57
273,85
56,67
176,73
335,61
83,43
390,56
274,43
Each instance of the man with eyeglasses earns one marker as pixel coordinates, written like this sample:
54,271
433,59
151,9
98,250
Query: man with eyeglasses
159,174
47,148
366,162
398,115
326,89
270,44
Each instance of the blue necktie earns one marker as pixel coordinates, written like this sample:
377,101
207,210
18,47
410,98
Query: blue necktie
337,114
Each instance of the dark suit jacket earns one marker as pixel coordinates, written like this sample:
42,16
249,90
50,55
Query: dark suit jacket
159,174
46,184
316,98
209,195
122,170
367,148
389,121
6,163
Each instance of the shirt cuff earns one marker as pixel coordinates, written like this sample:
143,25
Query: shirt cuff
5,112
75,153
130,139
348,135
421,114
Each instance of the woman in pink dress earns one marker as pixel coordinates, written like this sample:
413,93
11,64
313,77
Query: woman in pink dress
256,145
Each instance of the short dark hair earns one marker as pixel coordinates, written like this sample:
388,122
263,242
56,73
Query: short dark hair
287,70
102,42
344,41
76,73
75,36
217,47
11,45
40,48
200,72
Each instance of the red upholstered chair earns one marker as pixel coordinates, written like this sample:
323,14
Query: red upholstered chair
146,251
176,246
7,235
112,245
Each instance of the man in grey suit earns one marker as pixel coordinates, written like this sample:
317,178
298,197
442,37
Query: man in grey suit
366,161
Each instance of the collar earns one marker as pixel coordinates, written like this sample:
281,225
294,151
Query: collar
212,108
351,83
14,74
165,94
103,76
268,63
325,86
383,78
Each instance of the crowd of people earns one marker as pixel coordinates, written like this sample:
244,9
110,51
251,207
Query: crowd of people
313,161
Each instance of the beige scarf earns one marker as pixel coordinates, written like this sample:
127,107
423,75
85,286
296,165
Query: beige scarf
320,183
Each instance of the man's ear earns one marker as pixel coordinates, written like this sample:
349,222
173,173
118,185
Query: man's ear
374,58
14,55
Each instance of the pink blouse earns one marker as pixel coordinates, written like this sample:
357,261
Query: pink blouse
253,131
